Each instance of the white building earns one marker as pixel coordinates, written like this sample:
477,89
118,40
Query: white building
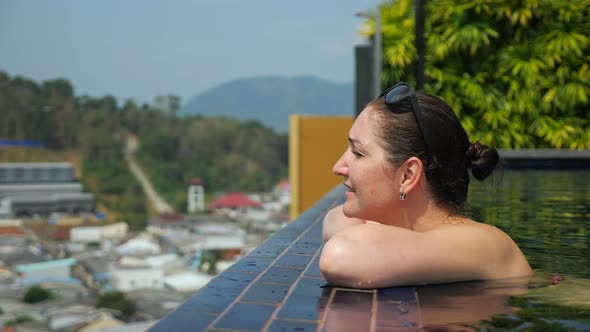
187,281
128,278
86,234
138,247
115,231
196,196
219,236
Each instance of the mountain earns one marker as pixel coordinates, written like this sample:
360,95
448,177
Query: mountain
270,100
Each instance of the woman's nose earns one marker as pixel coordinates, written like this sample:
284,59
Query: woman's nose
341,166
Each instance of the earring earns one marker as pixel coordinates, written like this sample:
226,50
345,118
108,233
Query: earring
402,196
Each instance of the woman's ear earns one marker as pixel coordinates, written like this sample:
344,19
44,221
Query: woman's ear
411,173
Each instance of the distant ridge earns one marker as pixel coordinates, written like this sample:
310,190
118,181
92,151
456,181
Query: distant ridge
271,99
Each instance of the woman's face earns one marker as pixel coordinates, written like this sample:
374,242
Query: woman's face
372,192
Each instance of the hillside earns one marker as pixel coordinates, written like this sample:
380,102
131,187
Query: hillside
272,99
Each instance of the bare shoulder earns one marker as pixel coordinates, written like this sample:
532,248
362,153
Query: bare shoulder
502,255
469,229
464,231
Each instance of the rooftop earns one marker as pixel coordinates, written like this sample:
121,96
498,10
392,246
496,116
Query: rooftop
12,231
235,200
46,265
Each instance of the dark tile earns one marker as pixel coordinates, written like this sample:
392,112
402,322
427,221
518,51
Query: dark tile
309,238
307,301
349,311
306,218
397,294
347,320
303,307
266,252
252,265
232,280
311,286
279,325
315,227
275,241
313,270
304,248
314,233
411,329
291,231
316,259
246,317
266,293
294,260
398,314
210,299
183,321
352,300
283,275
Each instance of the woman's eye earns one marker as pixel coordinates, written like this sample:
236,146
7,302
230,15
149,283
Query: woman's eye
356,153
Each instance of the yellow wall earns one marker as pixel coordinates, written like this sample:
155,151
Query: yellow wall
315,144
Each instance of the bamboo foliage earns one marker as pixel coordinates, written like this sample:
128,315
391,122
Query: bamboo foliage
516,72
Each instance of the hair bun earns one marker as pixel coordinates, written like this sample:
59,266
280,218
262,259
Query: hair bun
481,159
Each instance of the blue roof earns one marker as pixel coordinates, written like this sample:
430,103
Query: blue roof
22,142
102,276
40,280
45,265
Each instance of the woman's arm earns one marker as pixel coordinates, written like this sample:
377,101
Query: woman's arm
374,256
335,221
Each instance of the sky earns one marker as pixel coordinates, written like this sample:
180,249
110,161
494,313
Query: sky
137,49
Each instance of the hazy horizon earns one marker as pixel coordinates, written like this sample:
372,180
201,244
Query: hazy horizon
139,49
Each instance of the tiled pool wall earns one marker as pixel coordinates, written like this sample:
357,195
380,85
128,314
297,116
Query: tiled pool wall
528,159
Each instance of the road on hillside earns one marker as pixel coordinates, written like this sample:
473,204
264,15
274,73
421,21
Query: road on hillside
157,202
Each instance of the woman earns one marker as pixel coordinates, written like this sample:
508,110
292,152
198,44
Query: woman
406,171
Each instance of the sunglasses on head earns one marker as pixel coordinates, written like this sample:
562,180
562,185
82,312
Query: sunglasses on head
401,92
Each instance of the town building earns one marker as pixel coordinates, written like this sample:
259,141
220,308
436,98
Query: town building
234,204
196,196
29,189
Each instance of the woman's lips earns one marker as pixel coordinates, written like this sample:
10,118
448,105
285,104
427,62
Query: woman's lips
350,192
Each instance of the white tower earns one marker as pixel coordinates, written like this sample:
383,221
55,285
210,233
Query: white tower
196,196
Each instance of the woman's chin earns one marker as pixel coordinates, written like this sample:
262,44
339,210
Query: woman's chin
349,194
349,211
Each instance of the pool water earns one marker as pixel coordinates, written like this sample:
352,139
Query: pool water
547,213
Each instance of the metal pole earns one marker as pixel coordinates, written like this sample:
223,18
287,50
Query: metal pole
377,54
419,26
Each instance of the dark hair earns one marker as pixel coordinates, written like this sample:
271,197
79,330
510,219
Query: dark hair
451,154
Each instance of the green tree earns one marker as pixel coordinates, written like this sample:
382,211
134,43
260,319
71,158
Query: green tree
226,153
60,102
117,301
35,294
517,73
169,104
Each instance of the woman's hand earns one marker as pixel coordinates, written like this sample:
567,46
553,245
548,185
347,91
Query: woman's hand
335,221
